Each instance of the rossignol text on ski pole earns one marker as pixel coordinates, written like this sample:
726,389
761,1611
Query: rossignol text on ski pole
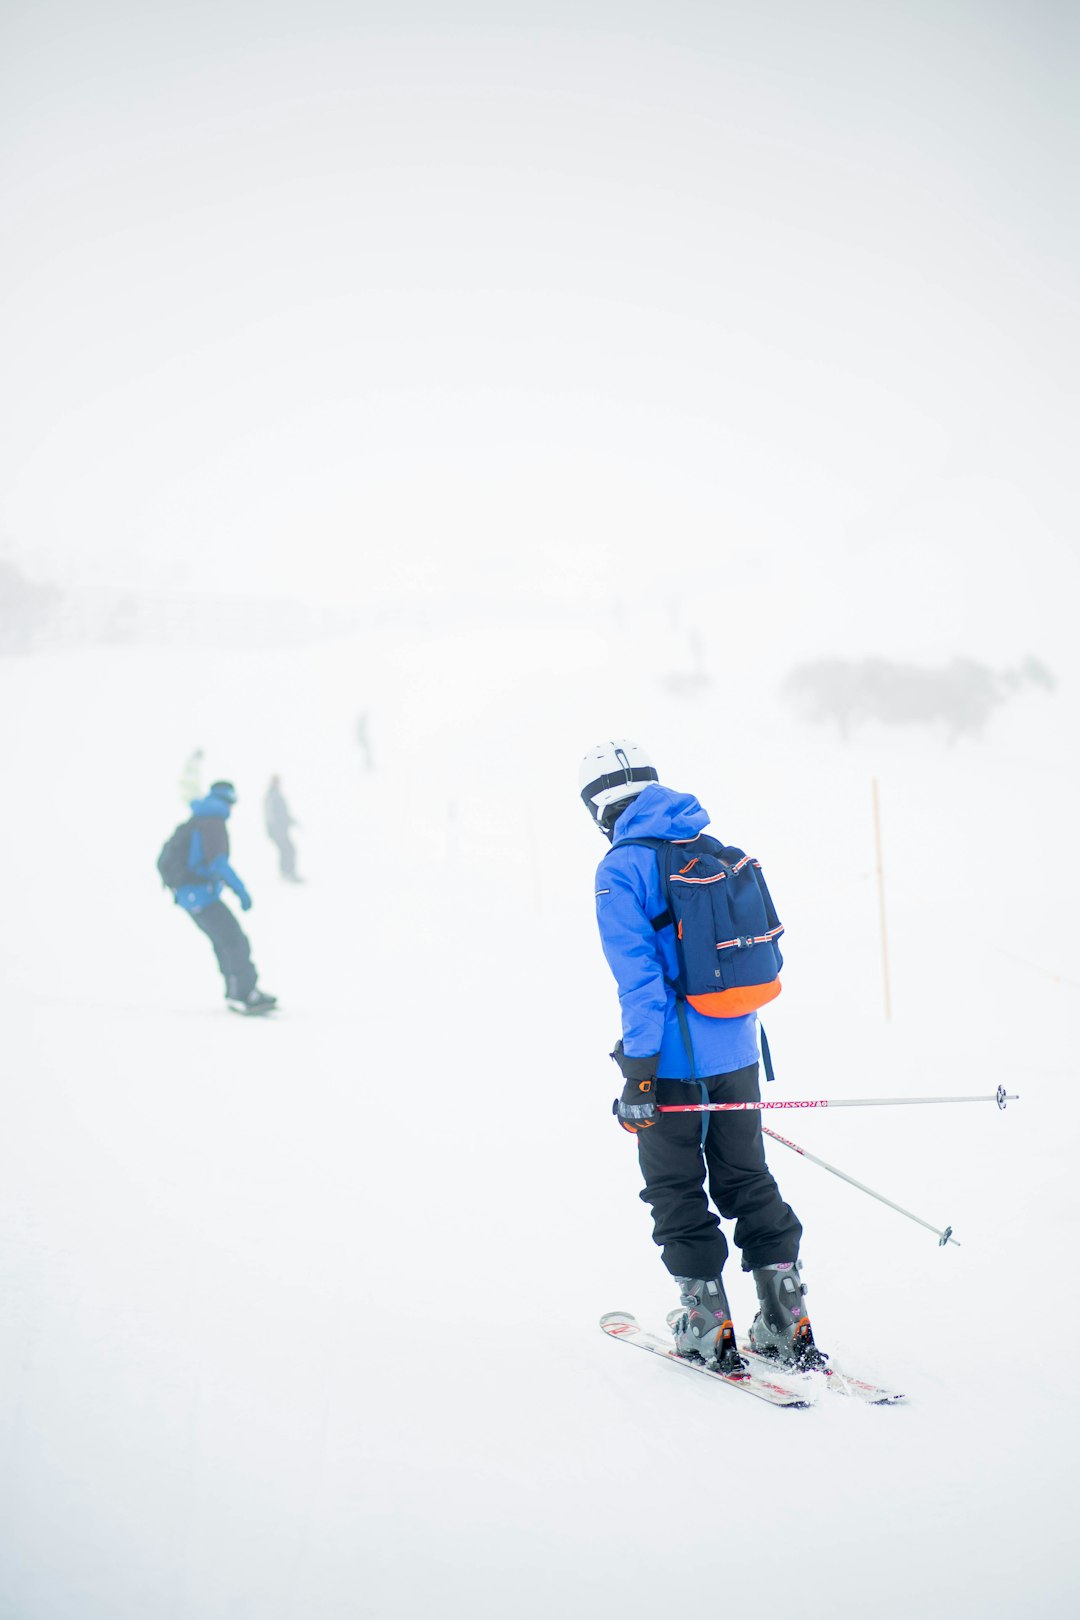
1001,1097
943,1237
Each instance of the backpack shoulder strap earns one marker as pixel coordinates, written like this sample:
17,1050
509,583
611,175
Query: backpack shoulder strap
194,848
662,849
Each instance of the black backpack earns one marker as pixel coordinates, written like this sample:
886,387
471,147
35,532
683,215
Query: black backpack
172,863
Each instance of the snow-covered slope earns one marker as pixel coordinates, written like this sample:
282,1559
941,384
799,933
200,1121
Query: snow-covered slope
300,1316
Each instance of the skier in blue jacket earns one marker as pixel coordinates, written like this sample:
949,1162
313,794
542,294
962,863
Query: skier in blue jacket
715,1060
199,895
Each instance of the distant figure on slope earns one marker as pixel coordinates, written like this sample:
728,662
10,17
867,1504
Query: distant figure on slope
195,865
191,777
278,822
690,1036
363,741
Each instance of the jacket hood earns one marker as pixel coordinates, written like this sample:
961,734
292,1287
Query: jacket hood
211,806
660,812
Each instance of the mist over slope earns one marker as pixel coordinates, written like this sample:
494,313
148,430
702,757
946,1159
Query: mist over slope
516,377
301,1315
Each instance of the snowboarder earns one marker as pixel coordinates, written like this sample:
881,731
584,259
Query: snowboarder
672,1053
278,822
198,892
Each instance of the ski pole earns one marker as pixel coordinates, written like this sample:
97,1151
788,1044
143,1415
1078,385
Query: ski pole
1001,1097
942,1237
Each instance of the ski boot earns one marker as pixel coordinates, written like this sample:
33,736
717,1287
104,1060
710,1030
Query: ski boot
256,1002
703,1326
781,1328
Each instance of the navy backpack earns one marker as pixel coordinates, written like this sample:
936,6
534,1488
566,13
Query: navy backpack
726,927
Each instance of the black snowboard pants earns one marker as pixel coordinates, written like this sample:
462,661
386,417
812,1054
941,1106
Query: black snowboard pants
675,1162
230,947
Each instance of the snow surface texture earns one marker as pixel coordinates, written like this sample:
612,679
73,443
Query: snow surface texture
300,1316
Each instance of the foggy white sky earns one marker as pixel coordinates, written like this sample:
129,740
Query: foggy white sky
335,298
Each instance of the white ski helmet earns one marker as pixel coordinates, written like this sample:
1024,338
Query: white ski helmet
611,773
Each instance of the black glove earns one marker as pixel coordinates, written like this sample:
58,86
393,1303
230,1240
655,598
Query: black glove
636,1109
635,1068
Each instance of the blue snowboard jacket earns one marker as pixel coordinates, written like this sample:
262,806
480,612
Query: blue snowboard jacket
208,858
643,959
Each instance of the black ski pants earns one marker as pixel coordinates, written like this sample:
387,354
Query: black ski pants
675,1162
230,947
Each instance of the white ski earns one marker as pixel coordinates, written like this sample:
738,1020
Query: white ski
621,1325
836,1380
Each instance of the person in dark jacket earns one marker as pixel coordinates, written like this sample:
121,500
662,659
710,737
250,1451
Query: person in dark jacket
199,895
278,824
672,1053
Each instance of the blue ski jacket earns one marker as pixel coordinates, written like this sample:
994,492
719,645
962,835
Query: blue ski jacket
208,858
643,959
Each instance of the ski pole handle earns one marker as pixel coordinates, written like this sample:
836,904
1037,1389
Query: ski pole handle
1000,1096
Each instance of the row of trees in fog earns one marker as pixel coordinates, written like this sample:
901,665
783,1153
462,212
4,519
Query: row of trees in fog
34,616
961,695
